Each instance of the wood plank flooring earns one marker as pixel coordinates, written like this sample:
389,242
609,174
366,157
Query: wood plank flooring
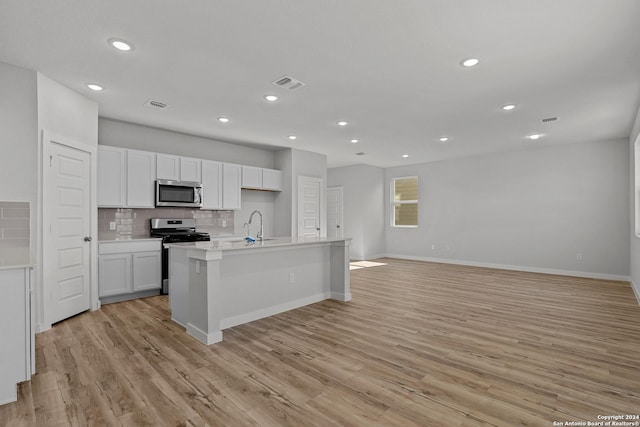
420,344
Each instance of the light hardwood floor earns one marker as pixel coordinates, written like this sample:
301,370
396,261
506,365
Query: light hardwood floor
420,344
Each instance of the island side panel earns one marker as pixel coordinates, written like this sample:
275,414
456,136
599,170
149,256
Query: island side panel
340,275
264,282
205,298
179,285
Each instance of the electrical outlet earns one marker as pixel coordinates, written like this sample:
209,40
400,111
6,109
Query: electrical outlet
579,256
112,225
224,223
292,278
433,247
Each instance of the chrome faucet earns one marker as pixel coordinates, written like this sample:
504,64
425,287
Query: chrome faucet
261,232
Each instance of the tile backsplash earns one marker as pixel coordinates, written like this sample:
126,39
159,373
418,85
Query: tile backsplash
14,224
134,223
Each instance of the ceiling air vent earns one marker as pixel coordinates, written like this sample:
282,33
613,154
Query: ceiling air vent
288,82
549,119
156,104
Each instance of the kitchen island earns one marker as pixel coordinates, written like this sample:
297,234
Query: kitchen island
219,284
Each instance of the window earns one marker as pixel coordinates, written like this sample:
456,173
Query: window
404,201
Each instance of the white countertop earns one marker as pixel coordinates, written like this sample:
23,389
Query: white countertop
128,239
229,245
12,258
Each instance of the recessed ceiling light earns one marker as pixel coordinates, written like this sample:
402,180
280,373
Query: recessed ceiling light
223,119
342,123
405,156
444,139
354,141
95,87
121,45
292,137
508,107
535,136
469,62
271,98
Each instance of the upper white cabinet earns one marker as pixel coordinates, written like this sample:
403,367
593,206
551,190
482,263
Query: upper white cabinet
251,177
211,184
231,185
168,167
190,169
141,176
271,179
112,184
261,179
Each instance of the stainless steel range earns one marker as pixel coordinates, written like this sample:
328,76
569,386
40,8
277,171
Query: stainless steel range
174,231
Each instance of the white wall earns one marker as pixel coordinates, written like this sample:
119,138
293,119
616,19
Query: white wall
282,201
19,139
70,115
262,201
534,209
634,247
66,113
129,135
363,213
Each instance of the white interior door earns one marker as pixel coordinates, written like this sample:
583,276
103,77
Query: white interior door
309,199
67,193
334,212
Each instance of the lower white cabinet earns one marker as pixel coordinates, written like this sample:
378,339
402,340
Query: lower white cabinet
128,268
16,351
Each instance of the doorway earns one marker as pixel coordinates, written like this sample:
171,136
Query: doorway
309,206
67,229
335,225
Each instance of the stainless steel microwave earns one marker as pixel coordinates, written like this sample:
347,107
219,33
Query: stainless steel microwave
178,193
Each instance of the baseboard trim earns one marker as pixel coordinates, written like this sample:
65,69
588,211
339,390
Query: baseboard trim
636,289
230,322
202,336
557,272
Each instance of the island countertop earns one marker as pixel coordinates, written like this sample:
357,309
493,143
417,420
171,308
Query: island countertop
241,244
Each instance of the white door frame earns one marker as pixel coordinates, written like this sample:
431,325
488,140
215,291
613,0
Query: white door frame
43,294
322,208
340,190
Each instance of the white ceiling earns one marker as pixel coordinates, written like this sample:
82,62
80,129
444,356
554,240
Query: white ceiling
390,68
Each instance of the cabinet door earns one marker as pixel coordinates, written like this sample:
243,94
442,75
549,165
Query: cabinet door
114,274
251,177
272,179
141,176
231,179
147,271
190,169
13,330
167,167
111,176
211,185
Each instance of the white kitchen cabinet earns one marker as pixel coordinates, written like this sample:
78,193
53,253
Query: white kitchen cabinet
167,167
112,176
211,184
129,269
271,180
231,186
17,349
190,169
251,177
255,178
141,176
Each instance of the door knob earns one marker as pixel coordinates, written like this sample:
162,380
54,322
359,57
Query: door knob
87,239
337,226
